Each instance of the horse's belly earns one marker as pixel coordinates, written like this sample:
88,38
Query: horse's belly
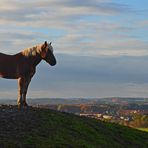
8,74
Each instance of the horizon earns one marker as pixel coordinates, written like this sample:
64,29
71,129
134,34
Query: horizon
106,98
101,46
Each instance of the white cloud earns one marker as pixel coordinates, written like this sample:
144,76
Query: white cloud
82,27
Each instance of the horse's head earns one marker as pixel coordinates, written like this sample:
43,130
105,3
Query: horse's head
47,53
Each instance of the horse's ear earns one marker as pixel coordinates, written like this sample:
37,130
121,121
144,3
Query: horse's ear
45,43
50,43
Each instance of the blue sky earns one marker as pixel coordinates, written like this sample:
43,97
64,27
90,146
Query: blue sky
101,46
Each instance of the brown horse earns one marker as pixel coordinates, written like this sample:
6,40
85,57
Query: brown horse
22,66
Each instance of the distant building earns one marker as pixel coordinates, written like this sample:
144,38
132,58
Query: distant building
107,117
91,114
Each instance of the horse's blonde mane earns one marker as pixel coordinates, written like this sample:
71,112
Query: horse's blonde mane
33,51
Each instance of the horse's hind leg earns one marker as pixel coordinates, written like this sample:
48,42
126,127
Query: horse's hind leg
20,92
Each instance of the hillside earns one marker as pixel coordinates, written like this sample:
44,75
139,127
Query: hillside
43,128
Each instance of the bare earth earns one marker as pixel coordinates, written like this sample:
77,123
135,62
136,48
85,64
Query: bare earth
10,125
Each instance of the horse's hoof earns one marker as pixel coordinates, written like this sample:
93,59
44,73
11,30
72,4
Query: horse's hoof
26,107
20,107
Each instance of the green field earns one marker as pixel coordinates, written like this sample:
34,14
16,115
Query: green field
43,128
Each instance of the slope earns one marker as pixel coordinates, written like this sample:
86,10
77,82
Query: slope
43,128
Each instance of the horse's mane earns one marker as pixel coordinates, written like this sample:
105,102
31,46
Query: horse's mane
33,51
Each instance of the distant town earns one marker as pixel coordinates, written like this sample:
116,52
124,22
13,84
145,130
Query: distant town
132,112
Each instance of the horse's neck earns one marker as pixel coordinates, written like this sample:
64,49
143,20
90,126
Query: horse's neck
31,60
33,55
35,60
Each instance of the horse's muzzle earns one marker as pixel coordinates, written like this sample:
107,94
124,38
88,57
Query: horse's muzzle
53,63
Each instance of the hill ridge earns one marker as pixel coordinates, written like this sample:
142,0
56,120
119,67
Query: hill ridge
38,127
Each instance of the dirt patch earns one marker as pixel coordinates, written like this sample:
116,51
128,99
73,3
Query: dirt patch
15,124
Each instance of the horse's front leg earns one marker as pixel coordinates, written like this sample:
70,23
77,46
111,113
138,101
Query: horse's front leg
23,84
26,84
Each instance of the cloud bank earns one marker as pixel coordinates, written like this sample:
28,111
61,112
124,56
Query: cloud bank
83,76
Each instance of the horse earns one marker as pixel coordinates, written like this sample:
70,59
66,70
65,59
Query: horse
22,66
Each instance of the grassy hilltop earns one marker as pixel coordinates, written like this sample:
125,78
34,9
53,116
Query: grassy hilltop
43,128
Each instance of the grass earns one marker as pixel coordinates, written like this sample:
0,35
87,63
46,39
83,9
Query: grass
143,129
52,129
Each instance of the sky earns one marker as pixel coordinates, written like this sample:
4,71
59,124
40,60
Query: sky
101,46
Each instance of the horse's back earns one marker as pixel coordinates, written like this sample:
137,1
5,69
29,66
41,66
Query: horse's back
5,58
8,65
2,55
